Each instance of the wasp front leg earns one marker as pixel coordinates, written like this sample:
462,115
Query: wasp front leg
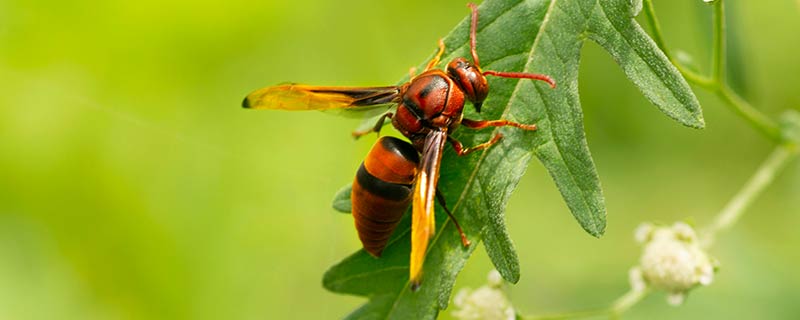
376,128
435,60
480,124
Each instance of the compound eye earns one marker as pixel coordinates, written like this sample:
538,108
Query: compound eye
469,78
456,69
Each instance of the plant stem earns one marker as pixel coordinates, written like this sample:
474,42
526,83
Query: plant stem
716,82
754,117
718,54
693,77
757,183
650,11
627,301
718,64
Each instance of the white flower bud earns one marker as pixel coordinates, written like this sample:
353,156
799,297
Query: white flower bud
676,299
494,279
684,232
487,302
673,261
643,232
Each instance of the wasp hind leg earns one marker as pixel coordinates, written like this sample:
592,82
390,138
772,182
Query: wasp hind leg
376,128
462,151
464,240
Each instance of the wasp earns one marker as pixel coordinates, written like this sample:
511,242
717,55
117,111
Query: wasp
397,174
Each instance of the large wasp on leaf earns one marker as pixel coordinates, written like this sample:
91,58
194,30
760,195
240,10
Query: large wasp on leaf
395,173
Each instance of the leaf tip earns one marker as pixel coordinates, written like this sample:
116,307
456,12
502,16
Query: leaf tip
341,201
597,227
512,276
328,281
698,122
693,120
701,122
598,234
598,231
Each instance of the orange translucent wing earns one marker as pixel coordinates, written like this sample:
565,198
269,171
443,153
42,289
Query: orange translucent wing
423,222
304,97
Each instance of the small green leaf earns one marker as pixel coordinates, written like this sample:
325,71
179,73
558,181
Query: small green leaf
538,36
341,201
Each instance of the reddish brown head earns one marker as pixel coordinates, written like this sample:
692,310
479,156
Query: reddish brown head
469,78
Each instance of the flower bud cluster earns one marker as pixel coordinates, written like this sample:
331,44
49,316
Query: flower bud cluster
672,260
487,302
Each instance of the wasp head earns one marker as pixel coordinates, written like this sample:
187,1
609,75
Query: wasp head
469,78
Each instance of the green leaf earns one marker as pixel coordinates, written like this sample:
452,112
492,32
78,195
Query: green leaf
341,201
533,36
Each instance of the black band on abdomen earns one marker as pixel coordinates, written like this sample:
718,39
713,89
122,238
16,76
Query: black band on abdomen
401,148
380,188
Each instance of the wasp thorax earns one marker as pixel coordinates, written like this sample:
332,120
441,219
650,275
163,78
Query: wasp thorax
469,78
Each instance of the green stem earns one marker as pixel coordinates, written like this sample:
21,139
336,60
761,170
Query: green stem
716,82
754,117
718,54
650,11
627,301
693,77
718,65
757,183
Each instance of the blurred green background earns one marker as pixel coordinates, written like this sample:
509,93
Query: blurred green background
133,186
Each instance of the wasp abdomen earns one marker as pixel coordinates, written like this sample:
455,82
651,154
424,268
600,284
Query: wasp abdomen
382,191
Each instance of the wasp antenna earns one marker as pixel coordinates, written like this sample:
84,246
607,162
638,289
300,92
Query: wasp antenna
522,75
472,33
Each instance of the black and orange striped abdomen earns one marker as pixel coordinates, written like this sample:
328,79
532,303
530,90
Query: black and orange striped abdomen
382,191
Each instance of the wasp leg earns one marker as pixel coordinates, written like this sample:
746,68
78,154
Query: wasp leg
376,128
464,239
461,151
480,124
438,56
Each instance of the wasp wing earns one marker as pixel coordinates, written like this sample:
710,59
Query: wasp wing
423,222
305,97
